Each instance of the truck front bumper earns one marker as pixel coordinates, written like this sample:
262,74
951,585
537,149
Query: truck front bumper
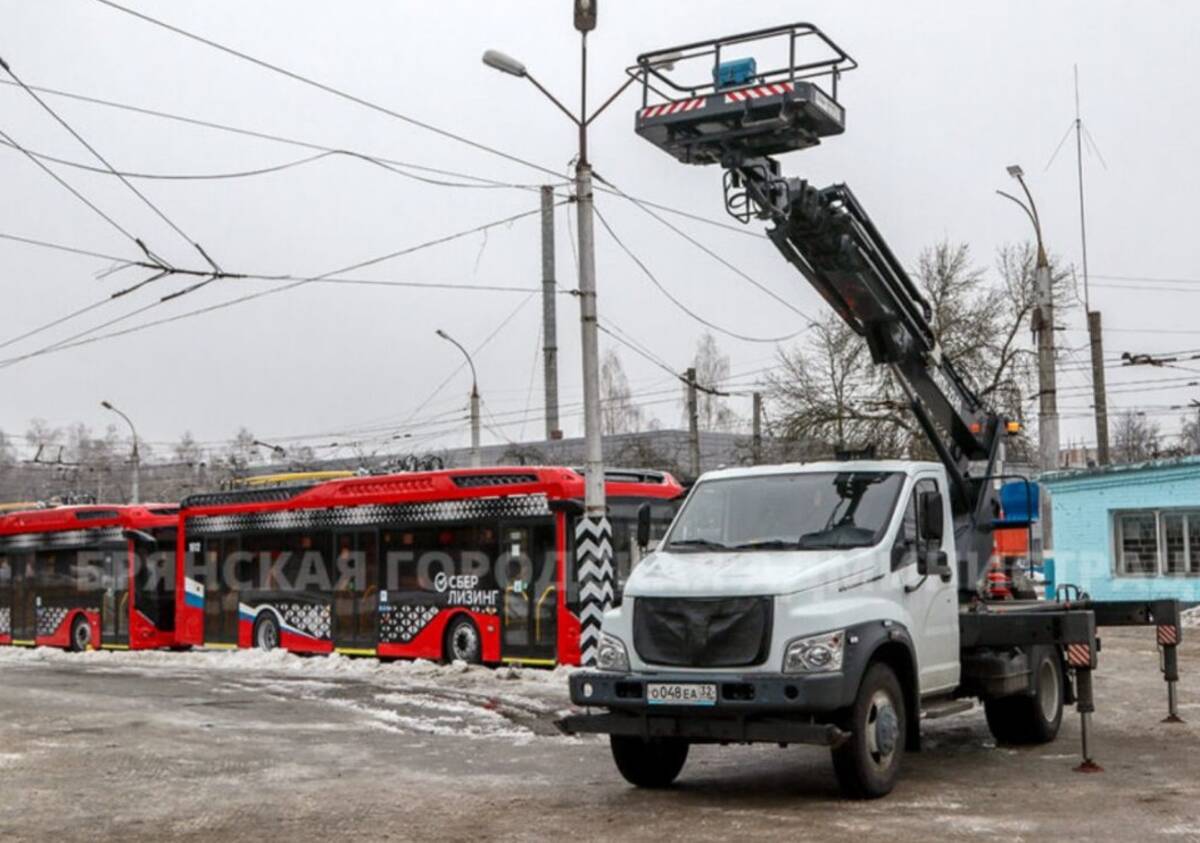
749,708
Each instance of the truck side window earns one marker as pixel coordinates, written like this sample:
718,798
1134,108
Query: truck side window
909,541
904,552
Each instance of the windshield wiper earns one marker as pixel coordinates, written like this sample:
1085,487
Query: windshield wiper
766,544
702,544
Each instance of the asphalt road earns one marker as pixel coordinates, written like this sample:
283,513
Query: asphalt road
269,746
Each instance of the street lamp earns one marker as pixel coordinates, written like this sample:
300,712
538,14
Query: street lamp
137,463
1043,326
277,450
476,460
593,532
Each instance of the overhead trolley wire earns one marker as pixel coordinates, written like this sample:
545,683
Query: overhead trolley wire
83,141
704,248
329,89
395,167
654,280
292,283
120,228
291,141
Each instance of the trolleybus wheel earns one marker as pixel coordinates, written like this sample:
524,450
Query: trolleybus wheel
463,642
81,634
266,632
1031,718
649,762
868,763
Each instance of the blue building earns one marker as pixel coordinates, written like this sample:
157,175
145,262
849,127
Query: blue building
1127,531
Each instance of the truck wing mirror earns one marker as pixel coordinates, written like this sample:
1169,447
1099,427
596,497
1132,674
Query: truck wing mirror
643,526
931,514
934,563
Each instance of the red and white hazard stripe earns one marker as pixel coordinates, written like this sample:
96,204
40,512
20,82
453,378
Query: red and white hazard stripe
758,91
675,107
1168,635
1079,655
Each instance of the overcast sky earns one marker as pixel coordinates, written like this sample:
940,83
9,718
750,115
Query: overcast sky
946,96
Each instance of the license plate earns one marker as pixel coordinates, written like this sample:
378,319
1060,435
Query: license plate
680,693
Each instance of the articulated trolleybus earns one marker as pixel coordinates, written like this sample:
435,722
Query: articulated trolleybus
82,577
470,564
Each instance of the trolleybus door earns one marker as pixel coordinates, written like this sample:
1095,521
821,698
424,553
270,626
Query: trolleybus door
114,597
220,571
356,590
528,613
24,620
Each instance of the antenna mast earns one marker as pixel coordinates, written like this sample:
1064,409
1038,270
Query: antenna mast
1095,330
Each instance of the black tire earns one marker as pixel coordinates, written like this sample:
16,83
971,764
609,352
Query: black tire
1031,719
463,642
81,634
649,763
266,632
868,763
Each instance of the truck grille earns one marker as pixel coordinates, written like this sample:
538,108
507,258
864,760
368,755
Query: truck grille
716,632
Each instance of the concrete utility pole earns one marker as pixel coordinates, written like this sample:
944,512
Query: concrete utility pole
1099,395
135,492
1043,327
693,424
476,459
593,533
756,441
549,315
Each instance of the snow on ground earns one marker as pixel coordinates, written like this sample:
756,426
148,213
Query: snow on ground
1191,617
411,697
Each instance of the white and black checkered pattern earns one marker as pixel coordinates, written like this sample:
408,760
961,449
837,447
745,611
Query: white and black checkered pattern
63,539
401,624
49,619
517,506
313,619
5,621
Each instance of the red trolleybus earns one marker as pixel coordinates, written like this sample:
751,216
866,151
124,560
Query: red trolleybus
472,564
81,577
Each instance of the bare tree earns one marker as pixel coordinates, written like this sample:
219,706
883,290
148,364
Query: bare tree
831,392
1190,433
712,369
618,413
187,451
1135,437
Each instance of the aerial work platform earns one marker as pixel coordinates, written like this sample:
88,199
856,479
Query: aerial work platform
735,109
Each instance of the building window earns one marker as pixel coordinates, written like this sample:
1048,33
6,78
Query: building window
1158,542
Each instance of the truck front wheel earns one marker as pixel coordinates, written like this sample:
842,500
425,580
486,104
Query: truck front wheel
1031,718
868,763
649,762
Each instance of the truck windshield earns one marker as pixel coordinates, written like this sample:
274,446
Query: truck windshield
787,512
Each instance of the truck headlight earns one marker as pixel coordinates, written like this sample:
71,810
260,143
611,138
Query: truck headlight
815,654
611,655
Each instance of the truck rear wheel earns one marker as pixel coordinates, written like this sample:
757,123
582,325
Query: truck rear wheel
1026,718
868,763
649,762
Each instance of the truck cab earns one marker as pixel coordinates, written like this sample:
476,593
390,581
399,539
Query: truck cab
777,596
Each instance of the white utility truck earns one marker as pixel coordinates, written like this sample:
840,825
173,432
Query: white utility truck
832,603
